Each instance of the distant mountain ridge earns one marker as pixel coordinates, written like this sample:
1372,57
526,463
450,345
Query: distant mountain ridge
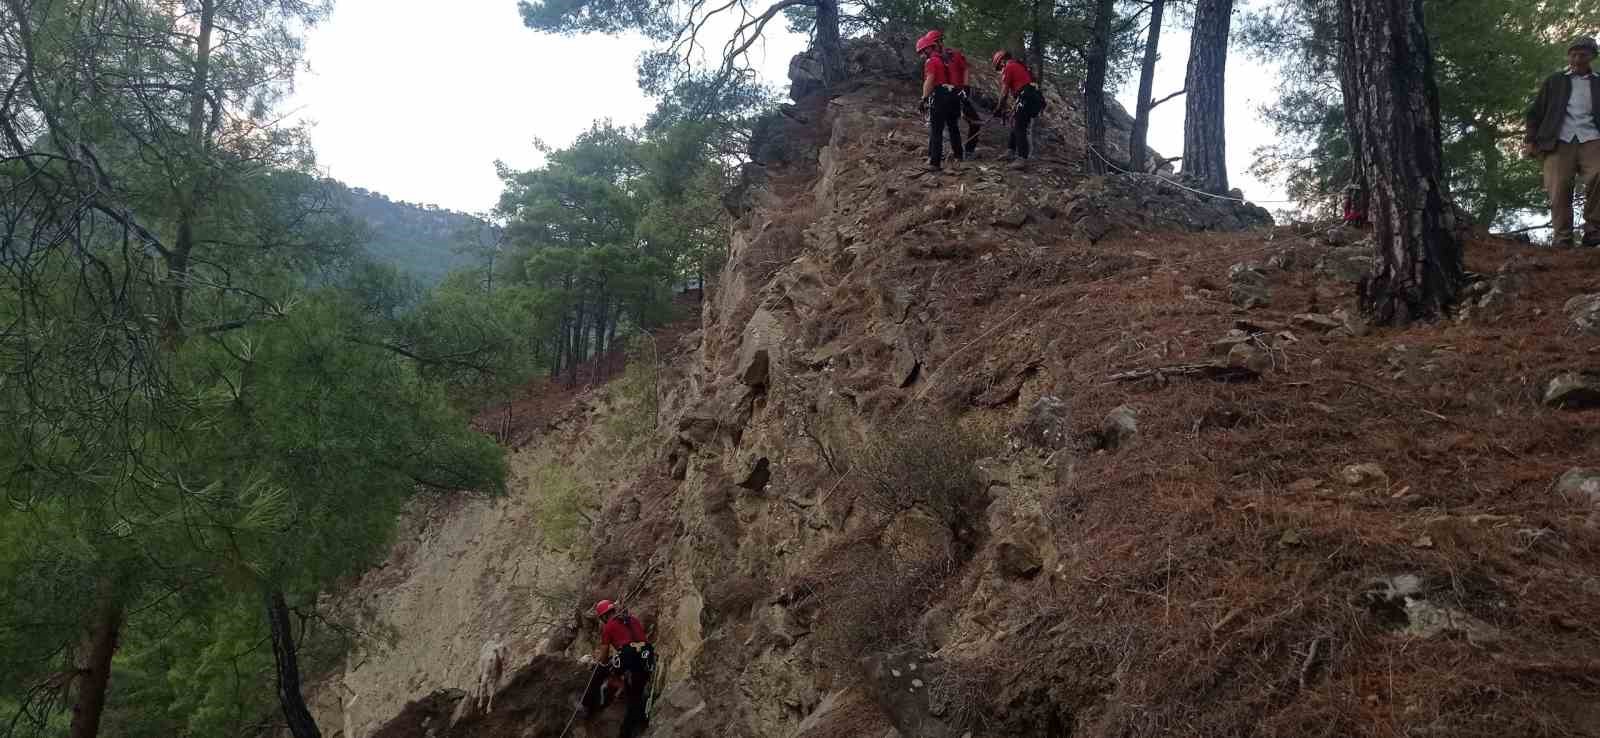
416,238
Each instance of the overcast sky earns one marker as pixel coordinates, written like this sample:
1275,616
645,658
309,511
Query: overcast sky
417,100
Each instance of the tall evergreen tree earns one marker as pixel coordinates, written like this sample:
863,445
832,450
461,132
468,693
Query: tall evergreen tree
1204,140
1094,89
1417,266
1138,139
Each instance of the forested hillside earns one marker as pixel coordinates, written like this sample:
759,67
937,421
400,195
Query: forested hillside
423,240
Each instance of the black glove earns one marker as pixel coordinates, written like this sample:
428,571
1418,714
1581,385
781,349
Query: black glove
922,106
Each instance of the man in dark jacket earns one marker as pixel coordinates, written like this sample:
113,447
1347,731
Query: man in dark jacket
1564,131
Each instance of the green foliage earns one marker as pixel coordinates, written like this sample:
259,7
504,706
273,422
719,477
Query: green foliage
1490,56
636,402
597,236
559,498
424,241
206,396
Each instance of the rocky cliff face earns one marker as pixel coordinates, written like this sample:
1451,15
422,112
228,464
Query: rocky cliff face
1022,452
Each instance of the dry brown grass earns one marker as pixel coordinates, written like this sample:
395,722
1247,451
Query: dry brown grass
1216,580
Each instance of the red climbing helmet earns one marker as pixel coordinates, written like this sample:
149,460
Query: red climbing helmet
602,607
929,39
999,57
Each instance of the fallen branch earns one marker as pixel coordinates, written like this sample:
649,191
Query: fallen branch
1154,103
1215,372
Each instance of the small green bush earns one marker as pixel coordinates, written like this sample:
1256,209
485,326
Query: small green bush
630,425
558,500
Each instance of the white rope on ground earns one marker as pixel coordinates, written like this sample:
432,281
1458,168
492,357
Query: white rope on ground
1180,185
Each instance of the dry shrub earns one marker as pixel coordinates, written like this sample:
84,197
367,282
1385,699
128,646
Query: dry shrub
865,597
780,242
926,463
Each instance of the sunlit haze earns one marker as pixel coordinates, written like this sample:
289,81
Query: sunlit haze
417,101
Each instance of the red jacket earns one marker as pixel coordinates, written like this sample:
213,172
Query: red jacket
621,630
956,63
935,68
1015,77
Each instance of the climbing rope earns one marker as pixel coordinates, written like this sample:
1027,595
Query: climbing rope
1180,185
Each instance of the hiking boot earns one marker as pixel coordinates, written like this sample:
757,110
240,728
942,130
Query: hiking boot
1591,241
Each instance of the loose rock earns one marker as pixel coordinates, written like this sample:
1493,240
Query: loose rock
1357,475
1249,296
1347,263
1316,321
1584,310
1120,427
1018,561
1048,423
1573,390
1251,357
1580,485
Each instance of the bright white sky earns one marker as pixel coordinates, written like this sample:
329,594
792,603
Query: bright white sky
417,101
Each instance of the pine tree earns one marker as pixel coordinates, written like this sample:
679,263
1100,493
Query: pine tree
1138,147
1417,266
1094,89
1204,141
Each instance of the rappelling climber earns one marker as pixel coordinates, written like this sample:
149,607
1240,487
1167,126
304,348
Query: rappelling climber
955,63
623,655
1026,102
939,101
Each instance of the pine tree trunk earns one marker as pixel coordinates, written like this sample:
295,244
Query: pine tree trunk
575,349
1137,140
1204,147
828,43
1347,86
1094,90
1040,42
177,260
295,713
94,665
558,351
1417,260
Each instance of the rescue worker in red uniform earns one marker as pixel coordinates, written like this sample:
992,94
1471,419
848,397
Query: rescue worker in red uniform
624,651
1355,206
955,64
1027,102
939,99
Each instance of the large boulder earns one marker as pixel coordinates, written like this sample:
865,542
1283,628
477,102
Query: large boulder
890,58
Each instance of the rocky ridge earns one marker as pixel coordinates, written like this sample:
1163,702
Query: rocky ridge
1203,499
